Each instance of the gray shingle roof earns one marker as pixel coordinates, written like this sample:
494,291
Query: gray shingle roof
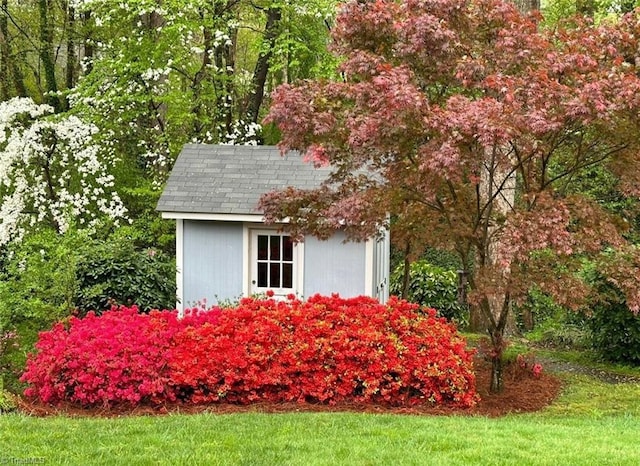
230,179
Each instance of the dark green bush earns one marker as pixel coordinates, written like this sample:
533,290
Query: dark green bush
432,286
615,330
117,273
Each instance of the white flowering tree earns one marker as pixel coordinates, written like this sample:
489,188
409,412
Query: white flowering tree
165,73
51,172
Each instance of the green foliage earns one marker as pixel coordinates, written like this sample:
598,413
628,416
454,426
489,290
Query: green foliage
550,324
615,330
147,229
555,11
7,401
116,272
442,258
39,278
37,288
431,286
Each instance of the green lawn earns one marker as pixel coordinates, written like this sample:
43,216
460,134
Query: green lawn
592,423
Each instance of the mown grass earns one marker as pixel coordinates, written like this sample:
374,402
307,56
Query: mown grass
323,439
592,423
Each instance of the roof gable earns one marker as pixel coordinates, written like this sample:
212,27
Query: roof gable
213,179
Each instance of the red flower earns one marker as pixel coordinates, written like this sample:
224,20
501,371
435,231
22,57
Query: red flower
325,349
536,369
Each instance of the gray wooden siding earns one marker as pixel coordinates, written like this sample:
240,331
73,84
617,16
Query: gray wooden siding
212,261
334,267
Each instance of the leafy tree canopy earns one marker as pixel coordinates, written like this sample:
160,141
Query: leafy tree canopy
468,123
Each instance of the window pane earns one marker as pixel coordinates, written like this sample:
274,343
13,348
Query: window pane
274,275
287,275
275,248
262,274
287,249
263,247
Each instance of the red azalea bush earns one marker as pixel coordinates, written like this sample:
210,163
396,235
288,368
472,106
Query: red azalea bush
120,356
325,349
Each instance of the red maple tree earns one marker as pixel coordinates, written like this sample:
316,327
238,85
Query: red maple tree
467,122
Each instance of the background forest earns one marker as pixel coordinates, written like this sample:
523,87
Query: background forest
97,97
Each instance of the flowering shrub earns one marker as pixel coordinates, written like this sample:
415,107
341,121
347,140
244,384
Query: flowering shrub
84,190
325,349
117,357
527,364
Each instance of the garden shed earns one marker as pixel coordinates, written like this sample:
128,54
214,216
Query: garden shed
224,250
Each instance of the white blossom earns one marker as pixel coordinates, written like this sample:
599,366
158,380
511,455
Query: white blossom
50,171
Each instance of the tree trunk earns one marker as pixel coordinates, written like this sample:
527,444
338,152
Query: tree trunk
498,321
46,55
70,72
262,65
10,70
498,187
225,56
5,53
198,108
526,6
497,384
87,42
495,200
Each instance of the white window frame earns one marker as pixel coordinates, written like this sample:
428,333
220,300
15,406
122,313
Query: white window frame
250,234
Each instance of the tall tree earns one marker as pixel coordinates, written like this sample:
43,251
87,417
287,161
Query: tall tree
47,54
170,72
441,102
256,96
11,77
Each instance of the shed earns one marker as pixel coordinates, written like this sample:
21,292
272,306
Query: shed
224,250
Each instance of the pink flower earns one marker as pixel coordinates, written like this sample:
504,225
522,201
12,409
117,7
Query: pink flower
536,369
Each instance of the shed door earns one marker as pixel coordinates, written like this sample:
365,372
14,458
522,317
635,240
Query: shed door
274,263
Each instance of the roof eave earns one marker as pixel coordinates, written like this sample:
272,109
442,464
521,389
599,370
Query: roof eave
220,217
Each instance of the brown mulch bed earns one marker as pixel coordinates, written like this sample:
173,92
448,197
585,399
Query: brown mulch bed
522,393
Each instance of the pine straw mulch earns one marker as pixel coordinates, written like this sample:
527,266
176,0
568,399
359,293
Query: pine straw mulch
522,393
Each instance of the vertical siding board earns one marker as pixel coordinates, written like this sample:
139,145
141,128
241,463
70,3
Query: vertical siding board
212,261
333,266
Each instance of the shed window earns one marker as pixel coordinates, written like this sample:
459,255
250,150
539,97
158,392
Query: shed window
274,261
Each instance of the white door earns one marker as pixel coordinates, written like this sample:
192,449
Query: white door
274,263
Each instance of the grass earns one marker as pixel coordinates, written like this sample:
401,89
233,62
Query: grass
588,358
591,423
323,439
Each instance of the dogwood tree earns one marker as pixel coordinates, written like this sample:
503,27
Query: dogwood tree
51,173
468,123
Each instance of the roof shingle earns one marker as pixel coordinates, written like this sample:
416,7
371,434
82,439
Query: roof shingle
213,179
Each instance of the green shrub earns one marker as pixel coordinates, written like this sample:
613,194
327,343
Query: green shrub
37,288
432,286
7,401
615,330
117,273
